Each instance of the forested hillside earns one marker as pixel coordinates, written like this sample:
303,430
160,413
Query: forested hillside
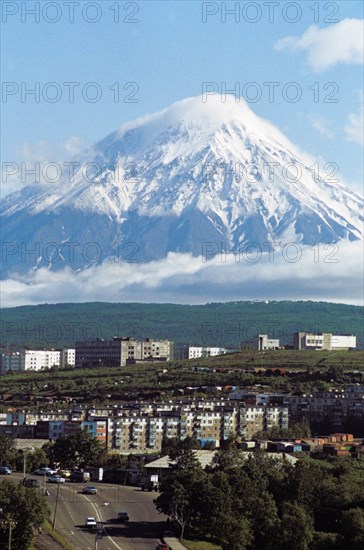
230,324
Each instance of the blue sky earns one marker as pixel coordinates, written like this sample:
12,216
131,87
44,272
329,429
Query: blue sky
168,53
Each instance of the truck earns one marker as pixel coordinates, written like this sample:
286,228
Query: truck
150,484
80,476
96,474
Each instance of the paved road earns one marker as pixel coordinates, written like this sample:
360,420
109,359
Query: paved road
142,533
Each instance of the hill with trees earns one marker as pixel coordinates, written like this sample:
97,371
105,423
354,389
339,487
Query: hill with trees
230,324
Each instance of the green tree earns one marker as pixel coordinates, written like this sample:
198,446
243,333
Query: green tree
297,526
25,508
352,526
7,450
35,460
115,460
177,487
78,450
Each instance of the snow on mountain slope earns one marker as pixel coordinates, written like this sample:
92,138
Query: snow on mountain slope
193,173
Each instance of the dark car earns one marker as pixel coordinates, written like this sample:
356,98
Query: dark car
90,490
123,517
5,470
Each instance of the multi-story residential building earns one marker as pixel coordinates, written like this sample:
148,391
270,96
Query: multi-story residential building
98,428
42,359
68,357
334,407
120,351
142,427
323,341
256,418
155,433
263,342
195,352
30,360
12,362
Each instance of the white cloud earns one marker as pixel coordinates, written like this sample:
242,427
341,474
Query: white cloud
33,164
73,145
338,43
322,125
26,167
182,278
354,130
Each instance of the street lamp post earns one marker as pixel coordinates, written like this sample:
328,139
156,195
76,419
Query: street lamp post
25,450
11,524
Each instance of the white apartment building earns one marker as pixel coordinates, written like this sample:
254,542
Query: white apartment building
323,341
42,359
196,352
36,360
30,360
69,357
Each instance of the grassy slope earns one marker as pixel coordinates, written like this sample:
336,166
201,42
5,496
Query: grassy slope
197,545
110,384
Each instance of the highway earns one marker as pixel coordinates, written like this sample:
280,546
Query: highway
143,531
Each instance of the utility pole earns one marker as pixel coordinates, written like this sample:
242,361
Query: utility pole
44,482
10,533
55,509
25,450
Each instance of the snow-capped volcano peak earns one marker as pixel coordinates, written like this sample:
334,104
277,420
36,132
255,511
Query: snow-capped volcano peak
199,120
193,173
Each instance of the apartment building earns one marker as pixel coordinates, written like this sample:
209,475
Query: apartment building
335,406
98,429
323,341
42,359
68,357
11,362
121,351
256,418
142,427
36,360
196,352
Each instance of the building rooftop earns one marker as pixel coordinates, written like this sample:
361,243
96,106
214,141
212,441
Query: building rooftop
205,458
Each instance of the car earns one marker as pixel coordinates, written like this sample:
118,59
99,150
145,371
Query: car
90,522
162,546
45,471
90,490
123,517
56,479
5,470
64,473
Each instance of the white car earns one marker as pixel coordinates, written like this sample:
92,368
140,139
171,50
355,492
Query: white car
90,522
45,471
56,479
